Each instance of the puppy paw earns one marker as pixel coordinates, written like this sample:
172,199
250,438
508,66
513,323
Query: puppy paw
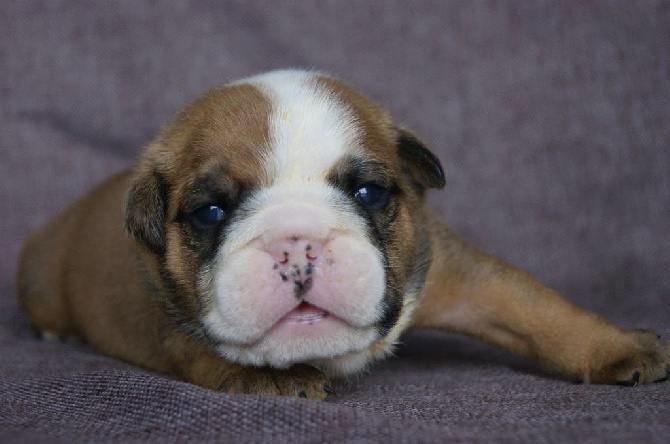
640,358
302,381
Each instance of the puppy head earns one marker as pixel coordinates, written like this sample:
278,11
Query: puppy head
284,215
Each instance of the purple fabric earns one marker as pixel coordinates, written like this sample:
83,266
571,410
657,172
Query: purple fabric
552,120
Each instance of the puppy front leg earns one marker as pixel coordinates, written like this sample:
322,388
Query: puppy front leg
196,363
471,293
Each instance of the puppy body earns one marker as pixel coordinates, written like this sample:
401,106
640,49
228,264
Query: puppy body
277,237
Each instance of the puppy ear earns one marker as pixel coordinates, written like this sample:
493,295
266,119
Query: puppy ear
146,210
423,166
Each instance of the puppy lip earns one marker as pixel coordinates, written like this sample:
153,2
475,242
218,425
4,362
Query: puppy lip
304,313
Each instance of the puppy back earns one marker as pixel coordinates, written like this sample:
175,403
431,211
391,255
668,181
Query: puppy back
48,261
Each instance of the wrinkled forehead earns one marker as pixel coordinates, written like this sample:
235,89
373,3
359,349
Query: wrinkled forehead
285,127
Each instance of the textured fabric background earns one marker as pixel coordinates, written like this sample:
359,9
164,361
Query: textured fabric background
552,120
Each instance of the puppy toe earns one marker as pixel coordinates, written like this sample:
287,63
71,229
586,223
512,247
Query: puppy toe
664,378
303,381
632,382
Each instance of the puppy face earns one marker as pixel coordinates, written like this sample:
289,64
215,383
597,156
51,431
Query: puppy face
283,214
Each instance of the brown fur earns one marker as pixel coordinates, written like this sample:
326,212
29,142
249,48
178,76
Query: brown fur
81,275
471,293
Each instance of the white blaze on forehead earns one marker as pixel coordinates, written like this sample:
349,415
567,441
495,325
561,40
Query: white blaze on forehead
310,128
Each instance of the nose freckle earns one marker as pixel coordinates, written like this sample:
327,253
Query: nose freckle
308,284
309,254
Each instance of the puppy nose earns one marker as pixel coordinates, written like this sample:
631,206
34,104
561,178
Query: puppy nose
296,261
295,250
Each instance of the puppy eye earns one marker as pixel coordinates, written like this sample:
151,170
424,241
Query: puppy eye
373,197
207,217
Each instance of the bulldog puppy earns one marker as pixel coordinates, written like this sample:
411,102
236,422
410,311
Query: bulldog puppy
275,235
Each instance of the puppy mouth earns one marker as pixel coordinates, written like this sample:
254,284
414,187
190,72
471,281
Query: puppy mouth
304,314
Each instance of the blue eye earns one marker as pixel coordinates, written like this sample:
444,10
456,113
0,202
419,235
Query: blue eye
374,197
207,217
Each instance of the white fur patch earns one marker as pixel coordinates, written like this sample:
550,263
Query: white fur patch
310,129
250,297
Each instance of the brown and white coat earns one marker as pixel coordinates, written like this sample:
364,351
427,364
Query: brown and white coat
278,237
